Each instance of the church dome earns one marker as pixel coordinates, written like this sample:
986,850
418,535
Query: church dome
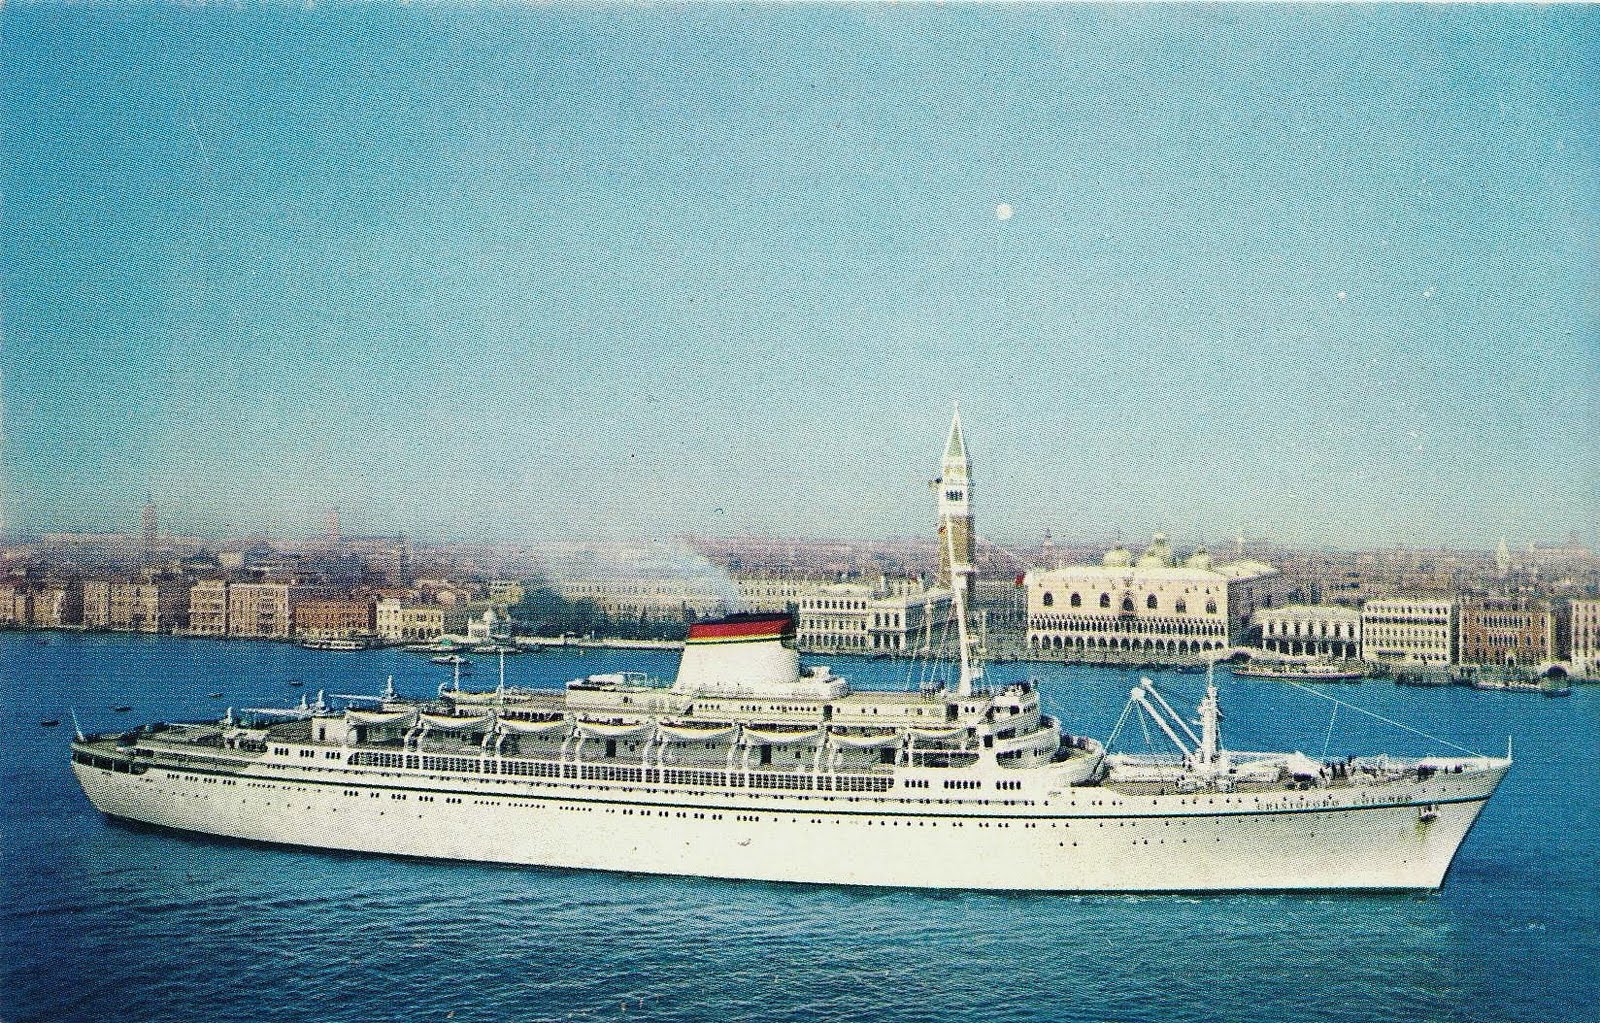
1117,557
1201,558
1158,554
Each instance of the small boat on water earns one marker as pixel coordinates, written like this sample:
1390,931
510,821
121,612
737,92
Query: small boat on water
121,709
1545,687
214,696
448,659
1299,671
49,722
1414,678
295,683
335,644
443,646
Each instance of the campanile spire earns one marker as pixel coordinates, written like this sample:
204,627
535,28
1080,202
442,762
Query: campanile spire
956,533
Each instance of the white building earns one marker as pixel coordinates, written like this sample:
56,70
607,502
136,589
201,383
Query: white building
488,628
1410,630
1322,630
267,609
1150,606
208,608
857,618
762,592
654,598
407,622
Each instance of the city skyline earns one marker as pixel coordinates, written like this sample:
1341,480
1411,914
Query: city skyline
1320,275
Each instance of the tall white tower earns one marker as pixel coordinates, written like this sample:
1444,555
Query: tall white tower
957,537
957,540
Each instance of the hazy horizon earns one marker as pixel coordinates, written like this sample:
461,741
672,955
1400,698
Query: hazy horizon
1324,274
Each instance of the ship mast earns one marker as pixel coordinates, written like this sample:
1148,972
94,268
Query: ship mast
1209,715
971,666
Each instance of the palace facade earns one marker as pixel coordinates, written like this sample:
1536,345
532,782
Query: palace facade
1150,606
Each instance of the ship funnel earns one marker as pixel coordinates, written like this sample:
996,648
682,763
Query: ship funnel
737,653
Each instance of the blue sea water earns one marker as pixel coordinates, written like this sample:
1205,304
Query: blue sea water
100,921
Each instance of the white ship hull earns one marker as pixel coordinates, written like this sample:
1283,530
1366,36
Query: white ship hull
1087,839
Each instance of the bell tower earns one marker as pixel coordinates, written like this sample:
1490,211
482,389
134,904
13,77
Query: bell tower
956,534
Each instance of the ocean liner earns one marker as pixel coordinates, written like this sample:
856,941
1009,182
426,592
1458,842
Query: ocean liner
750,765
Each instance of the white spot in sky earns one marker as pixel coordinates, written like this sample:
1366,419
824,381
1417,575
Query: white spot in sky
1342,296
1003,211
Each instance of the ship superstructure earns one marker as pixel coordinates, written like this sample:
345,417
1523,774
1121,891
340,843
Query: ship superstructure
750,765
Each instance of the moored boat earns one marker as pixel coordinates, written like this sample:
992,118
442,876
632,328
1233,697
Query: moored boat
1298,671
345,644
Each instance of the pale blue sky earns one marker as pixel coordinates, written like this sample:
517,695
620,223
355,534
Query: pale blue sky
1323,273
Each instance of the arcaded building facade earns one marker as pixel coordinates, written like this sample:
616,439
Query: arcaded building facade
1320,630
856,618
1154,605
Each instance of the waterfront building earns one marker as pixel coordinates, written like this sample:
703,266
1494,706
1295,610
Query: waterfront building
858,618
1411,630
32,604
266,610
489,627
835,618
208,608
1321,630
56,605
1507,631
148,606
335,618
906,621
647,598
1001,605
16,604
97,603
1584,632
403,621
1150,606
768,592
